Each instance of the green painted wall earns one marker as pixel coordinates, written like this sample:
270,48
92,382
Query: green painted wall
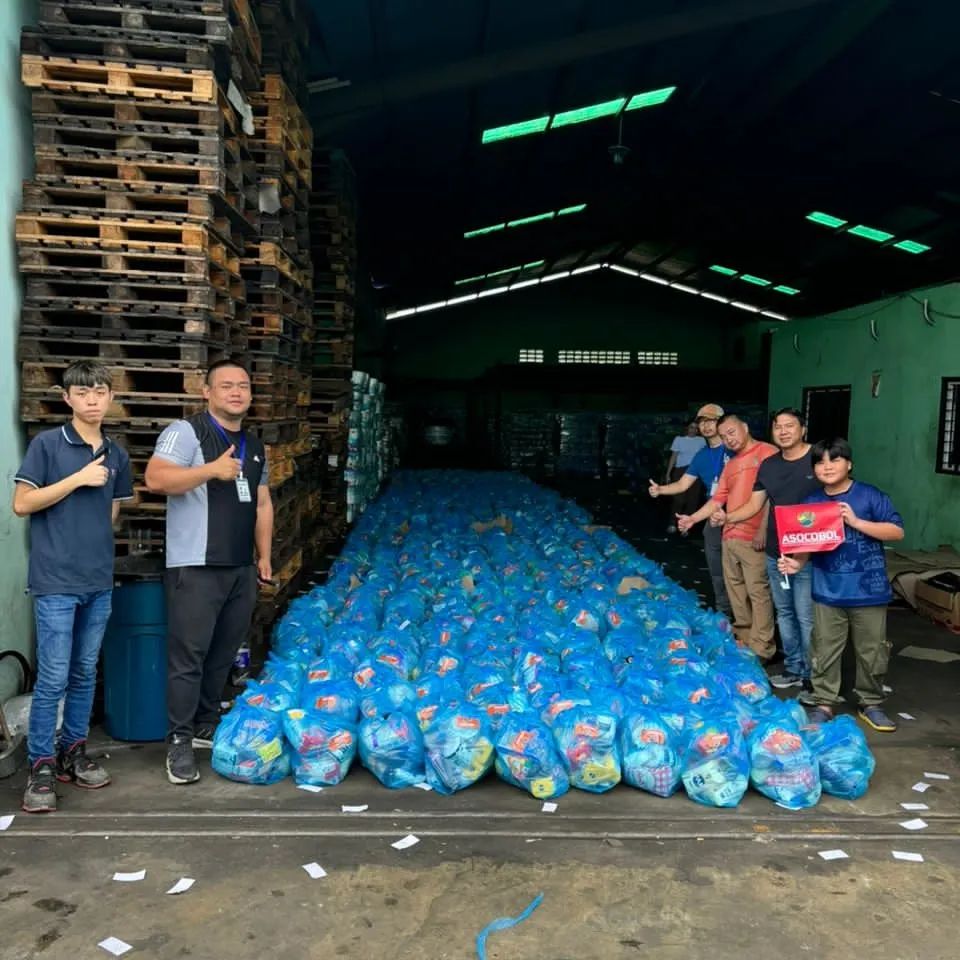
894,435
15,165
602,310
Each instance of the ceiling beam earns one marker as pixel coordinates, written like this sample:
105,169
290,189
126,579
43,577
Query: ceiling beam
336,106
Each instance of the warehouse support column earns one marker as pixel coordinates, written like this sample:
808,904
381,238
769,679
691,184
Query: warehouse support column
16,163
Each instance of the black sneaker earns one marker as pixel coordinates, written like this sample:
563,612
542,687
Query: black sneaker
805,696
181,765
74,764
203,736
41,793
784,680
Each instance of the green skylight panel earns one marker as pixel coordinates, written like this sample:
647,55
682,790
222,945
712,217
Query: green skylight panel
534,263
505,270
651,98
911,246
460,283
480,231
789,291
726,271
510,130
756,281
607,109
870,233
577,208
536,218
825,219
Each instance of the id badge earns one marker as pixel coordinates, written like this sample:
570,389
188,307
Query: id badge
243,489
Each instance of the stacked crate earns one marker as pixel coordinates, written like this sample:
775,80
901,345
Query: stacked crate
278,271
137,219
333,232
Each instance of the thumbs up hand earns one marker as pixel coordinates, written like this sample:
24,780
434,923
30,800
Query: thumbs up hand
94,474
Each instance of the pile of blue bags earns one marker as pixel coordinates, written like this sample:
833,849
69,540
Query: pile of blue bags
476,621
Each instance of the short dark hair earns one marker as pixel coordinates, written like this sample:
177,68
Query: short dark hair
730,416
226,362
87,373
835,449
789,412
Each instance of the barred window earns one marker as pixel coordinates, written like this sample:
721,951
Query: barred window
530,356
657,358
948,434
618,357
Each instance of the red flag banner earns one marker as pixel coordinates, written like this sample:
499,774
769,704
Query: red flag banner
809,527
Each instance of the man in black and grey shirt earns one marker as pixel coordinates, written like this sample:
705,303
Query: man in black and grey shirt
218,510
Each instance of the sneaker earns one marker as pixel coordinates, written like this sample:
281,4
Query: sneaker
203,736
805,696
785,679
181,765
75,765
819,715
877,718
41,793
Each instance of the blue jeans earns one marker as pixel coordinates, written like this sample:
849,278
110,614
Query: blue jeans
794,616
70,628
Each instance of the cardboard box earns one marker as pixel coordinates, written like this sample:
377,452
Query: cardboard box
938,597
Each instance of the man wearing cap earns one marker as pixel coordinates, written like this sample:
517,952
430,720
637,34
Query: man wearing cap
706,466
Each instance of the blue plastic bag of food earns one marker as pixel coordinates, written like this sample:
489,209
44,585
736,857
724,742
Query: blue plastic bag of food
844,759
338,697
650,752
527,757
458,748
782,766
275,697
716,769
323,745
586,738
249,746
391,748
397,696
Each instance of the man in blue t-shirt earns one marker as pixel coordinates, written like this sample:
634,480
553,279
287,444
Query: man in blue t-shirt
851,589
706,466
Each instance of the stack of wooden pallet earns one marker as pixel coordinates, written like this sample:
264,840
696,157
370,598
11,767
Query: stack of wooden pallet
278,271
135,224
333,231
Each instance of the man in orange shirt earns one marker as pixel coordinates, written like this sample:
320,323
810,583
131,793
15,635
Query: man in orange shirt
744,561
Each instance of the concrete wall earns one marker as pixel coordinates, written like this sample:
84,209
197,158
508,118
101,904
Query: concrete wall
894,435
16,152
602,310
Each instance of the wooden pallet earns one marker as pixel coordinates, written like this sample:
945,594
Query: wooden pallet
167,261
219,118
103,43
132,233
81,137
269,254
90,294
48,349
207,21
69,74
132,379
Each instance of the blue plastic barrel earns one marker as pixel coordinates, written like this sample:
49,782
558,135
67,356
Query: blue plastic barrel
135,663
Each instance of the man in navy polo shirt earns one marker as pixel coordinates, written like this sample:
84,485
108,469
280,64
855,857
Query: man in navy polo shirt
706,466
70,484
219,513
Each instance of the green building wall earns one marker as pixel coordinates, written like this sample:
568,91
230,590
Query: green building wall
15,165
893,434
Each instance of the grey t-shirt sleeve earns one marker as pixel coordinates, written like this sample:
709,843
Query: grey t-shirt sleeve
265,472
178,443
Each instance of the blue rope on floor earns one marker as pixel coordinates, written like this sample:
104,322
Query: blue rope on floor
504,923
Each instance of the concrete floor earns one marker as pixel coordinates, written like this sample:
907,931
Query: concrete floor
624,875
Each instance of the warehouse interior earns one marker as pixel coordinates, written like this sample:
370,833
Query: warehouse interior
531,237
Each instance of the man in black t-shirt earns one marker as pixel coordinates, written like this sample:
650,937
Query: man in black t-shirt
218,510
784,480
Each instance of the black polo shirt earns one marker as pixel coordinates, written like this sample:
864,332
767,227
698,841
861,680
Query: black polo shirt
71,543
210,525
